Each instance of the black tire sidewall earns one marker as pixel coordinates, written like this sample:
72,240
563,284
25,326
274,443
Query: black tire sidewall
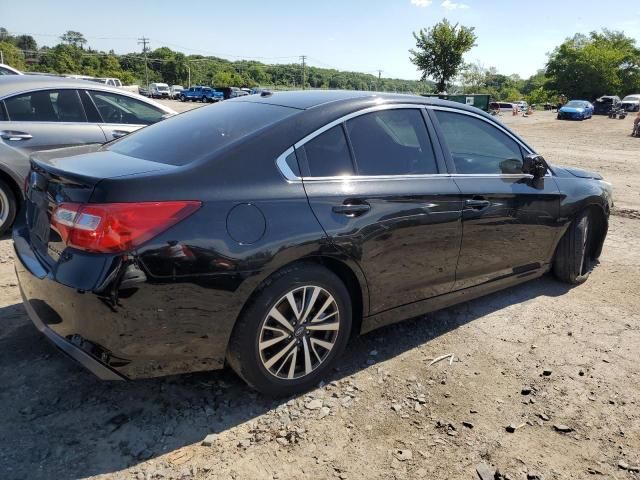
12,207
243,347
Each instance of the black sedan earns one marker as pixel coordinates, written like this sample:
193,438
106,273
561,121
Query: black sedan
263,231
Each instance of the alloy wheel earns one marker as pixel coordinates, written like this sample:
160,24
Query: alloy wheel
299,332
4,207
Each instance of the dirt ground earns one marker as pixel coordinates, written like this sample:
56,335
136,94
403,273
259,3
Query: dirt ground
560,364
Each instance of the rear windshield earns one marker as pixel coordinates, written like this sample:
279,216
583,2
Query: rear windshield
197,134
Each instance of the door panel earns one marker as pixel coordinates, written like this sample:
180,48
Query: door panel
407,242
515,231
45,135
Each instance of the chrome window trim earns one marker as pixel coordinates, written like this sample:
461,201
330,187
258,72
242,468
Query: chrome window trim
377,108
291,177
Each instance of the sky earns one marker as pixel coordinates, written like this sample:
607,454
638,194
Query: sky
513,35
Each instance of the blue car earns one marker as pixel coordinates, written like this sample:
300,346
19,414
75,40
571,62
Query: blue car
576,110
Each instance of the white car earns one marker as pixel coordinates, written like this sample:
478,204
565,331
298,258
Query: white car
631,103
7,70
175,91
159,90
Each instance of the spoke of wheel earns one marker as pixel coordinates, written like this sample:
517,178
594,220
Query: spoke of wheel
324,326
315,352
272,341
328,302
294,306
307,356
292,367
276,315
286,359
312,301
272,361
322,343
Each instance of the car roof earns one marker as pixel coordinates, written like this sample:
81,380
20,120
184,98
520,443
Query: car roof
308,99
10,84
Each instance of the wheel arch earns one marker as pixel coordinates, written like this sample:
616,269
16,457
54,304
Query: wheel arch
600,215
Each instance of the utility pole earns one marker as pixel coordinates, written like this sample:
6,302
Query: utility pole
303,58
1,57
379,75
143,41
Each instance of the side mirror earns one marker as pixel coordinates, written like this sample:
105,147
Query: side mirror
535,165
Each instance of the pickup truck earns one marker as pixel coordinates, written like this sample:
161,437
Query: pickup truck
202,94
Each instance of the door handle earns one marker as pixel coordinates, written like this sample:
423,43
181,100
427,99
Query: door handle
15,136
476,204
352,209
119,133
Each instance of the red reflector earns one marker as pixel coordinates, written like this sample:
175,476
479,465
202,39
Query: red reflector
116,227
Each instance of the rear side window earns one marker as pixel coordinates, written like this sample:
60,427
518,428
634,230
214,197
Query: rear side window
478,147
46,106
121,109
328,154
199,133
391,142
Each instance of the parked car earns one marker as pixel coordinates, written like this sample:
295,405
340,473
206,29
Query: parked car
501,106
631,103
522,105
38,113
201,94
230,92
575,110
175,91
262,232
159,90
604,104
7,70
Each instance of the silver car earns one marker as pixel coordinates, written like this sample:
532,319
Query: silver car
42,112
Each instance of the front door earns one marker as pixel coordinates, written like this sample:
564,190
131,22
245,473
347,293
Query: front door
509,219
378,188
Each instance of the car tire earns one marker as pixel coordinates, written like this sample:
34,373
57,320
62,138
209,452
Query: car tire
574,260
276,371
8,207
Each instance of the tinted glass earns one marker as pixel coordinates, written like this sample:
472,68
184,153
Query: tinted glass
116,108
46,106
391,142
478,147
199,133
328,154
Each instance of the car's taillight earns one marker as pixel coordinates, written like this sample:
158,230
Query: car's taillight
116,227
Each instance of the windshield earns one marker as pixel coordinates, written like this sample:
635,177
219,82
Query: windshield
631,98
199,133
575,104
605,100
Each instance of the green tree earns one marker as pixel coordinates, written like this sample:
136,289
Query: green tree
25,42
12,55
74,38
440,49
606,63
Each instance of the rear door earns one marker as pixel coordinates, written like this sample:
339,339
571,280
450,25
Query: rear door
510,220
380,191
46,119
118,115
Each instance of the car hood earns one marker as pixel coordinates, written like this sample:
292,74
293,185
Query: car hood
573,109
631,101
576,172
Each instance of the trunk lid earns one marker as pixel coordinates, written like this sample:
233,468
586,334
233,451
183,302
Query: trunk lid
70,175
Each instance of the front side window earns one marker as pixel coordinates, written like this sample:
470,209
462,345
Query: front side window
328,154
478,147
391,142
121,109
46,106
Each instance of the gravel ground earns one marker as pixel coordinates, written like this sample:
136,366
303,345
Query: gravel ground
543,383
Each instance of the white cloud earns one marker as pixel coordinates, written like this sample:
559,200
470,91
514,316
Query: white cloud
421,3
449,5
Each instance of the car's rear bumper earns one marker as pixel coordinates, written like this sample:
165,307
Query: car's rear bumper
138,330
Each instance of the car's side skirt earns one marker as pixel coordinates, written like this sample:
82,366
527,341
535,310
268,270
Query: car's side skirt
422,307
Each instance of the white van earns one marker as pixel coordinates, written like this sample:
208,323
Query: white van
159,90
